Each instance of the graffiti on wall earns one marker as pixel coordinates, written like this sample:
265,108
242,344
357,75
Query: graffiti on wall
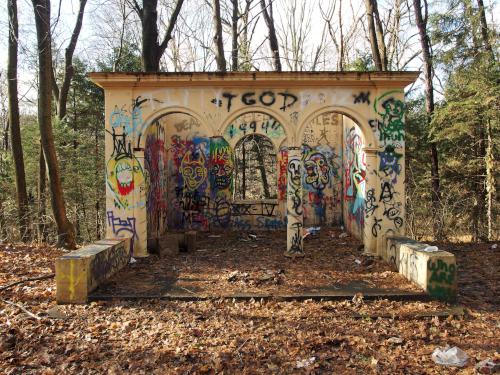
389,163
441,279
269,127
282,168
156,166
294,203
221,167
390,124
123,228
354,175
123,171
266,98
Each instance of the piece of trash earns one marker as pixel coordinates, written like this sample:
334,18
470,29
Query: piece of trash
488,366
214,236
132,260
232,276
395,340
343,235
357,261
357,299
306,362
431,249
252,236
450,356
312,231
494,246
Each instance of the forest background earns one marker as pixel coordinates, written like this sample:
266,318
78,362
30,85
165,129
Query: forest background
52,187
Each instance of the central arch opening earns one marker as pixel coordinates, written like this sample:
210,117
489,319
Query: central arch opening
256,168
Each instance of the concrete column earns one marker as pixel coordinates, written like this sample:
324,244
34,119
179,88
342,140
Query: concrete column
140,236
294,229
373,224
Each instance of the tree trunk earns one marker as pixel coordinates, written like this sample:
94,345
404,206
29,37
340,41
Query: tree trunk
484,29
42,188
15,129
69,71
219,43
490,181
152,50
150,46
380,36
273,40
65,230
429,108
373,35
234,36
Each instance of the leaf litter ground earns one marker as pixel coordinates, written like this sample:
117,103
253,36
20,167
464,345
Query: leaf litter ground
246,337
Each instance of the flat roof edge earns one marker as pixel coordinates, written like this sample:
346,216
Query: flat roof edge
236,79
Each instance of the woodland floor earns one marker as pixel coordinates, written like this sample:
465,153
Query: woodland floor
246,337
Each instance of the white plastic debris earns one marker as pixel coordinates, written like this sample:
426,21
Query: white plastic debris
343,235
132,260
431,249
494,246
450,356
357,261
306,362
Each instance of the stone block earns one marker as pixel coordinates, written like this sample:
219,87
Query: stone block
432,269
81,271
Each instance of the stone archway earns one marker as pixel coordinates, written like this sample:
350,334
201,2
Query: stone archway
375,101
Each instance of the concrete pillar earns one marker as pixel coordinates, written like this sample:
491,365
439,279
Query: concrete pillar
373,224
140,210
294,229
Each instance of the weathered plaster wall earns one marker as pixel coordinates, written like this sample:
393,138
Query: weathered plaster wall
132,178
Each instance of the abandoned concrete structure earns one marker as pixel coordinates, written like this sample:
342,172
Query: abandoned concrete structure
251,151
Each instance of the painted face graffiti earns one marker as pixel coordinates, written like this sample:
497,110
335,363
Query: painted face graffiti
391,124
193,169
123,175
294,172
221,164
317,170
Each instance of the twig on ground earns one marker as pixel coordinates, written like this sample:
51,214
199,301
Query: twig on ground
43,277
21,307
187,290
242,345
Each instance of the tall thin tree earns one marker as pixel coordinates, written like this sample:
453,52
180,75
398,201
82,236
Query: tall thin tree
421,21
15,129
61,94
65,230
220,59
267,13
152,49
372,33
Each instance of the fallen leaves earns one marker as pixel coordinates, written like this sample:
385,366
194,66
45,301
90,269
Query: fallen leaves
225,336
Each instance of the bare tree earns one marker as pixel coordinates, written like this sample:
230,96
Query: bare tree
66,232
218,41
421,21
61,94
152,49
267,12
15,129
373,35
